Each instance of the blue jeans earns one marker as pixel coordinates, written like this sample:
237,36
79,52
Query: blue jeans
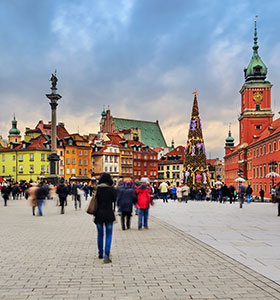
108,239
40,205
143,213
164,197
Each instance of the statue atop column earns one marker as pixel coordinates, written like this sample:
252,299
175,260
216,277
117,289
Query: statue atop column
54,80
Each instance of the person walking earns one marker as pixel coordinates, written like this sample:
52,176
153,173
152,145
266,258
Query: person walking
76,195
32,195
277,193
249,192
41,194
106,196
126,198
143,203
163,187
179,193
185,192
241,194
6,190
62,192
273,194
174,193
262,195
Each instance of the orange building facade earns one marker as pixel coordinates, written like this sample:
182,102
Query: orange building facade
258,151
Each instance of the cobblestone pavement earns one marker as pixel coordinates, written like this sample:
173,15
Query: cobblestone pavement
250,235
55,257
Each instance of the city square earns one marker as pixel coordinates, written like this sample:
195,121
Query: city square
140,150
55,257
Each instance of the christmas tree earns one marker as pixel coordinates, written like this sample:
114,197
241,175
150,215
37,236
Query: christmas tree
195,171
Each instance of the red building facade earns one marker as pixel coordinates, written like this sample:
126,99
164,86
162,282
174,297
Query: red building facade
258,151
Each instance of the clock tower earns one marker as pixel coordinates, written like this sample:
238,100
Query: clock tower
256,114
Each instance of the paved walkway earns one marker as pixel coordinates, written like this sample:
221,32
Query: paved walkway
250,235
55,257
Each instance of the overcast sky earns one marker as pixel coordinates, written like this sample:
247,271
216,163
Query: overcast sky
144,58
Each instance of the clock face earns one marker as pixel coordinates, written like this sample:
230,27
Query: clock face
258,96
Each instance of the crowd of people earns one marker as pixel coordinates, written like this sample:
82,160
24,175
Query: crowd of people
120,197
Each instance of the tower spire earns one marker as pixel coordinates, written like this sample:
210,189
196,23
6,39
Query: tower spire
256,46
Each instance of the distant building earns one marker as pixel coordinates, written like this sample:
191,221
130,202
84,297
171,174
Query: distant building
170,166
258,150
148,133
216,170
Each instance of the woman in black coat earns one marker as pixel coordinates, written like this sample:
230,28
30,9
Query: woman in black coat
104,216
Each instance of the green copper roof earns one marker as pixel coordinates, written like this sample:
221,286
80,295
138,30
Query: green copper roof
256,70
229,139
151,134
14,131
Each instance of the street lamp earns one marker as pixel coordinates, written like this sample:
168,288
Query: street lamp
272,165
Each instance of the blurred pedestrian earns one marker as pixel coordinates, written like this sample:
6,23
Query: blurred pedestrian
62,191
32,195
126,198
277,193
41,194
262,195
179,193
104,217
6,190
163,187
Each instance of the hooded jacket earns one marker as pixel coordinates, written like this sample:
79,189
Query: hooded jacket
143,196
126,198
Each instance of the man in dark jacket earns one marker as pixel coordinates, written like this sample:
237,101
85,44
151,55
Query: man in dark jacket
62,192
104,217
125,199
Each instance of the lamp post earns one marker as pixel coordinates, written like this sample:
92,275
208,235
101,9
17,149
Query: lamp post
53,158
272,165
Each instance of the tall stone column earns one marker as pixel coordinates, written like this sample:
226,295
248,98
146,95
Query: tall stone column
53,158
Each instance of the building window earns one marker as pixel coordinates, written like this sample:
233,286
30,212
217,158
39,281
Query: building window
151,173
42,168
20,157
85,171
68,161
80,162
106,158
3,157
31,157
43,157
61,162
61,153
70,142
80,152
274,146
116,169
261,171
138,163
110,169
269,148
145,173
145,164
106,169
253,172
3,169
85,162
264,150
20,169
67,171
14,169
167,167
61,172
67,151
155,173
73,161
80,171
73,151
264,170
116,159
260,151
85,152
31,168
258,127
14,157
73,171
258,107
135,164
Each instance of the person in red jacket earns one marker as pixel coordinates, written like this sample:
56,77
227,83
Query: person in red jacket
143,203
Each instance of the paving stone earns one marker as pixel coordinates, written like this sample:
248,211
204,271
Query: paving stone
55,257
